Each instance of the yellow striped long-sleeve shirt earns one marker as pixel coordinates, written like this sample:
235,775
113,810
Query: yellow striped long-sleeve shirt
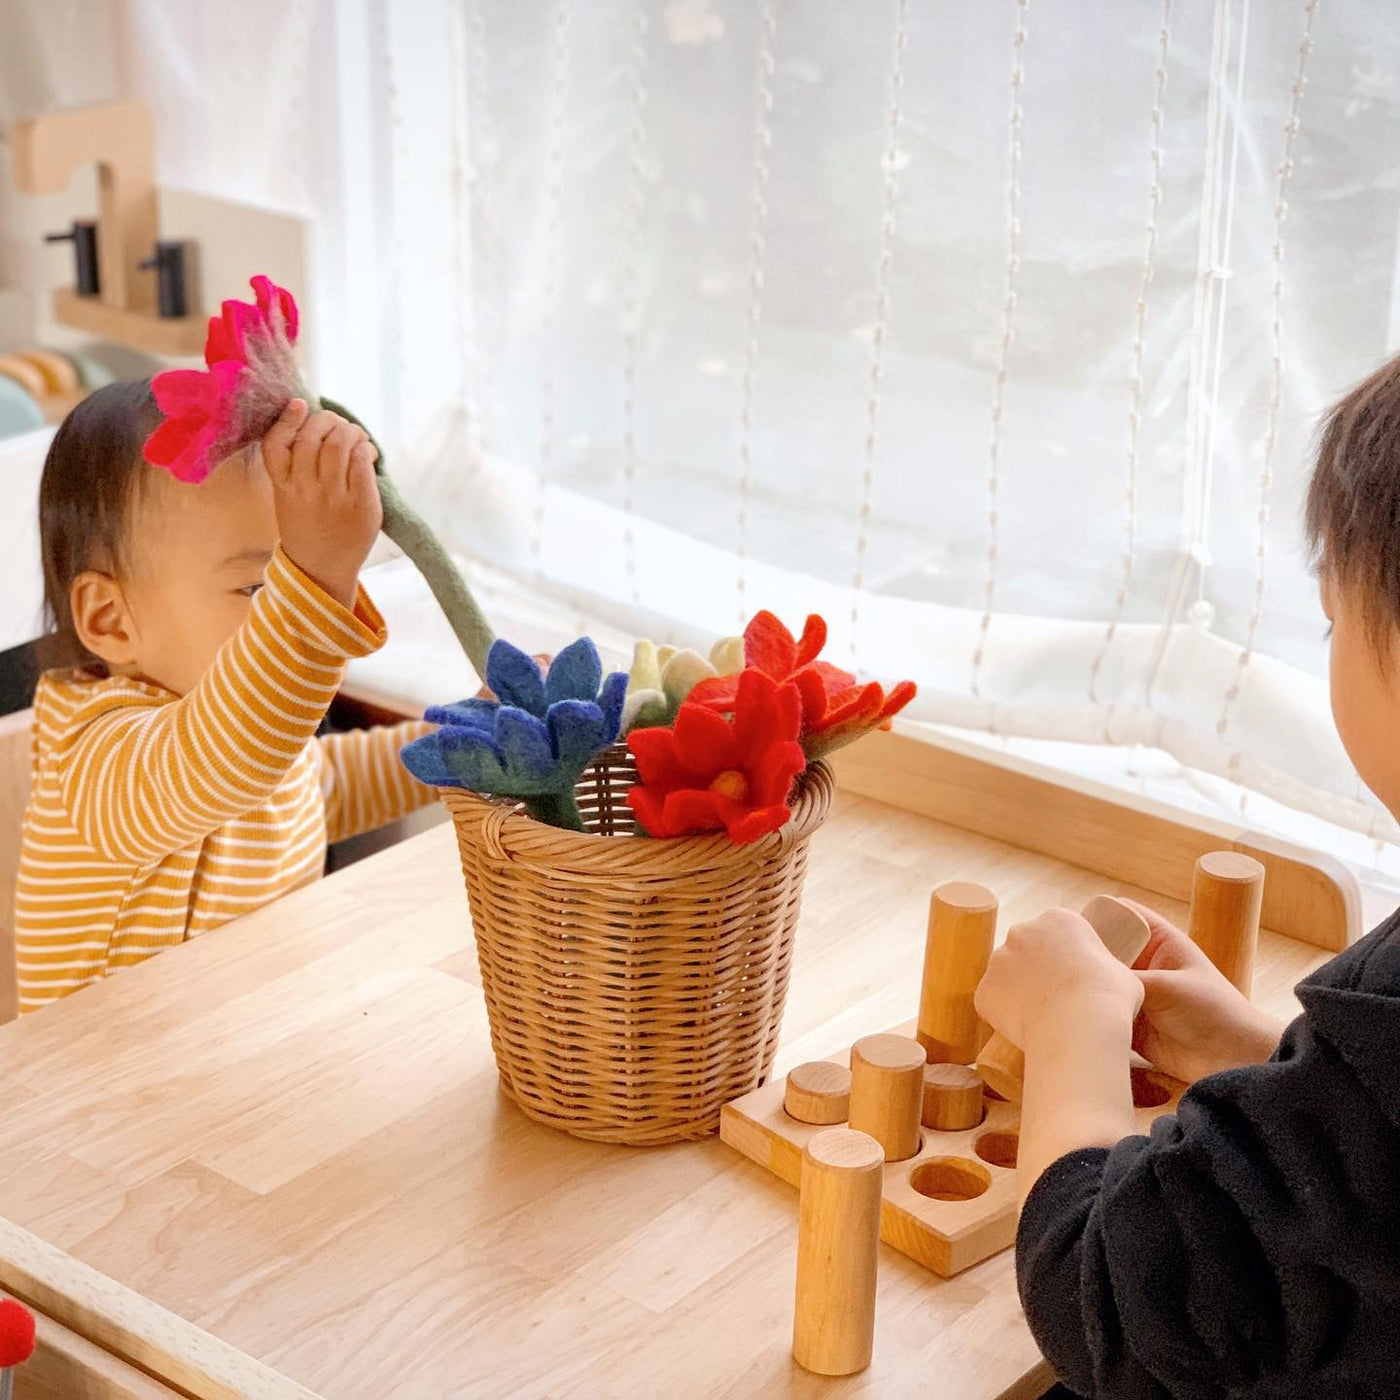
155,818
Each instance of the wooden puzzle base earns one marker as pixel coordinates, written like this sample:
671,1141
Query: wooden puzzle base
951,1205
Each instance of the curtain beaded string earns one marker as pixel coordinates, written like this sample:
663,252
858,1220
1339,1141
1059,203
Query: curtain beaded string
758,235
1266,474
1008,335
630,292
1136,378
889,192
553,259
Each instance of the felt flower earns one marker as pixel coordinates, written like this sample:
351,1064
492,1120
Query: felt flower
833,719
235,332
662,677
712,773
251,377
836,708
16,1334
532,741
197,408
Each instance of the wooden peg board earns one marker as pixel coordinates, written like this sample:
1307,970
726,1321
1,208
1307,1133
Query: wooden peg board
946,1236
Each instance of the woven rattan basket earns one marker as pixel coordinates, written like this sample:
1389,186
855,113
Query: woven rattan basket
632,986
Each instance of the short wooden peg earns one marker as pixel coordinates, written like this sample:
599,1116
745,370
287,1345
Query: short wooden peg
952,1098
962,925
1227,893
887,1092
1124,933
818,1092
838,1252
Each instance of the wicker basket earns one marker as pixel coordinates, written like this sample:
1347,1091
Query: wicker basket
632,986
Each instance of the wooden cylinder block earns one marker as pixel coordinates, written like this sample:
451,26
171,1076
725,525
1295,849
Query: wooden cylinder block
1227,893
952,1098
838,1252
962,925
818,1092
887,1092
1002,1068
1124,933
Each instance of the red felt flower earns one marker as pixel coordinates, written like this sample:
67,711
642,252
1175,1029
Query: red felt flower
710,773
836,708
832,719
251,377
16,1333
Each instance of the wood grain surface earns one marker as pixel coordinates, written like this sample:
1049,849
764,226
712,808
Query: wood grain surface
290,1134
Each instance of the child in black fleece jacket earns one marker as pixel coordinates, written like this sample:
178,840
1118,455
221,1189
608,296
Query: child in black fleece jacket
1250,1246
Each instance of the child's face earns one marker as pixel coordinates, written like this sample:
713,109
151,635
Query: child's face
197,556
1365,693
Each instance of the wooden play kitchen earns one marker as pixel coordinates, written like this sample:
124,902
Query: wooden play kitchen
284,1148
129,284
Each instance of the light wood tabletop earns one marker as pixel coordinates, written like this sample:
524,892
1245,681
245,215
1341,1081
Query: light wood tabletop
290,1133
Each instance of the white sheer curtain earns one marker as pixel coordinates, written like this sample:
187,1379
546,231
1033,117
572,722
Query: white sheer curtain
995,332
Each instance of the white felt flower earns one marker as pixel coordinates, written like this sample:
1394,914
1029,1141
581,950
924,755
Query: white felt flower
662,677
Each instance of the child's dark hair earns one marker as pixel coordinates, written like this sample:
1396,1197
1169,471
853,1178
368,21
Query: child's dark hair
1353,507
91,477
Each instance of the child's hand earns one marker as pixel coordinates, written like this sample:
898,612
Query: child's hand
328,511
1051,973
1194,1021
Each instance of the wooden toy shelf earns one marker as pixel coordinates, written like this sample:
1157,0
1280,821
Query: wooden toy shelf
158,335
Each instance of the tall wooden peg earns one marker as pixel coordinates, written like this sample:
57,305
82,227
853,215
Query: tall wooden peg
838,1252
1227,893
1124,933
887,1092
962,925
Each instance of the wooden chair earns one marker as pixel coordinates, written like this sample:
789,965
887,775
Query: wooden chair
15,733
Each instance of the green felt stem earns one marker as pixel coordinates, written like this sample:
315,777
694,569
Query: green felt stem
556,809
407,529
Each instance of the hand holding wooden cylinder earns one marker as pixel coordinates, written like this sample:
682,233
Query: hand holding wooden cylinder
838,1252
1124,933
1227,893
962,925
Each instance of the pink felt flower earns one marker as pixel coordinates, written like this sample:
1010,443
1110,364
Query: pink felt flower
251,377
234,334
196,404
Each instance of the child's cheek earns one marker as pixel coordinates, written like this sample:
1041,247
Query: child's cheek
1366,708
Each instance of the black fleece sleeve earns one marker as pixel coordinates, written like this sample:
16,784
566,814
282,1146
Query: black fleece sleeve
1248,1246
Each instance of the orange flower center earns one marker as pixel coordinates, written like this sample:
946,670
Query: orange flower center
731,784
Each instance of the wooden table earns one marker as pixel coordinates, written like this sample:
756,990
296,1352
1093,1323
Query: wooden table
290,1133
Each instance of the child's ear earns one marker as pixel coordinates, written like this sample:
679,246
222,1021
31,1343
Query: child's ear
102,619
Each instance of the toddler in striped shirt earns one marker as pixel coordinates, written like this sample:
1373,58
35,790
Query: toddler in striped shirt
178,782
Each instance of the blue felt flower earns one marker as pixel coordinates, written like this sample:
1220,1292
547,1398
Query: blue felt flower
532,741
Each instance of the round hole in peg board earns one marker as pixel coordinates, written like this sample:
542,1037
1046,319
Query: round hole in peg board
950,1179
1150,1090
998,1148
